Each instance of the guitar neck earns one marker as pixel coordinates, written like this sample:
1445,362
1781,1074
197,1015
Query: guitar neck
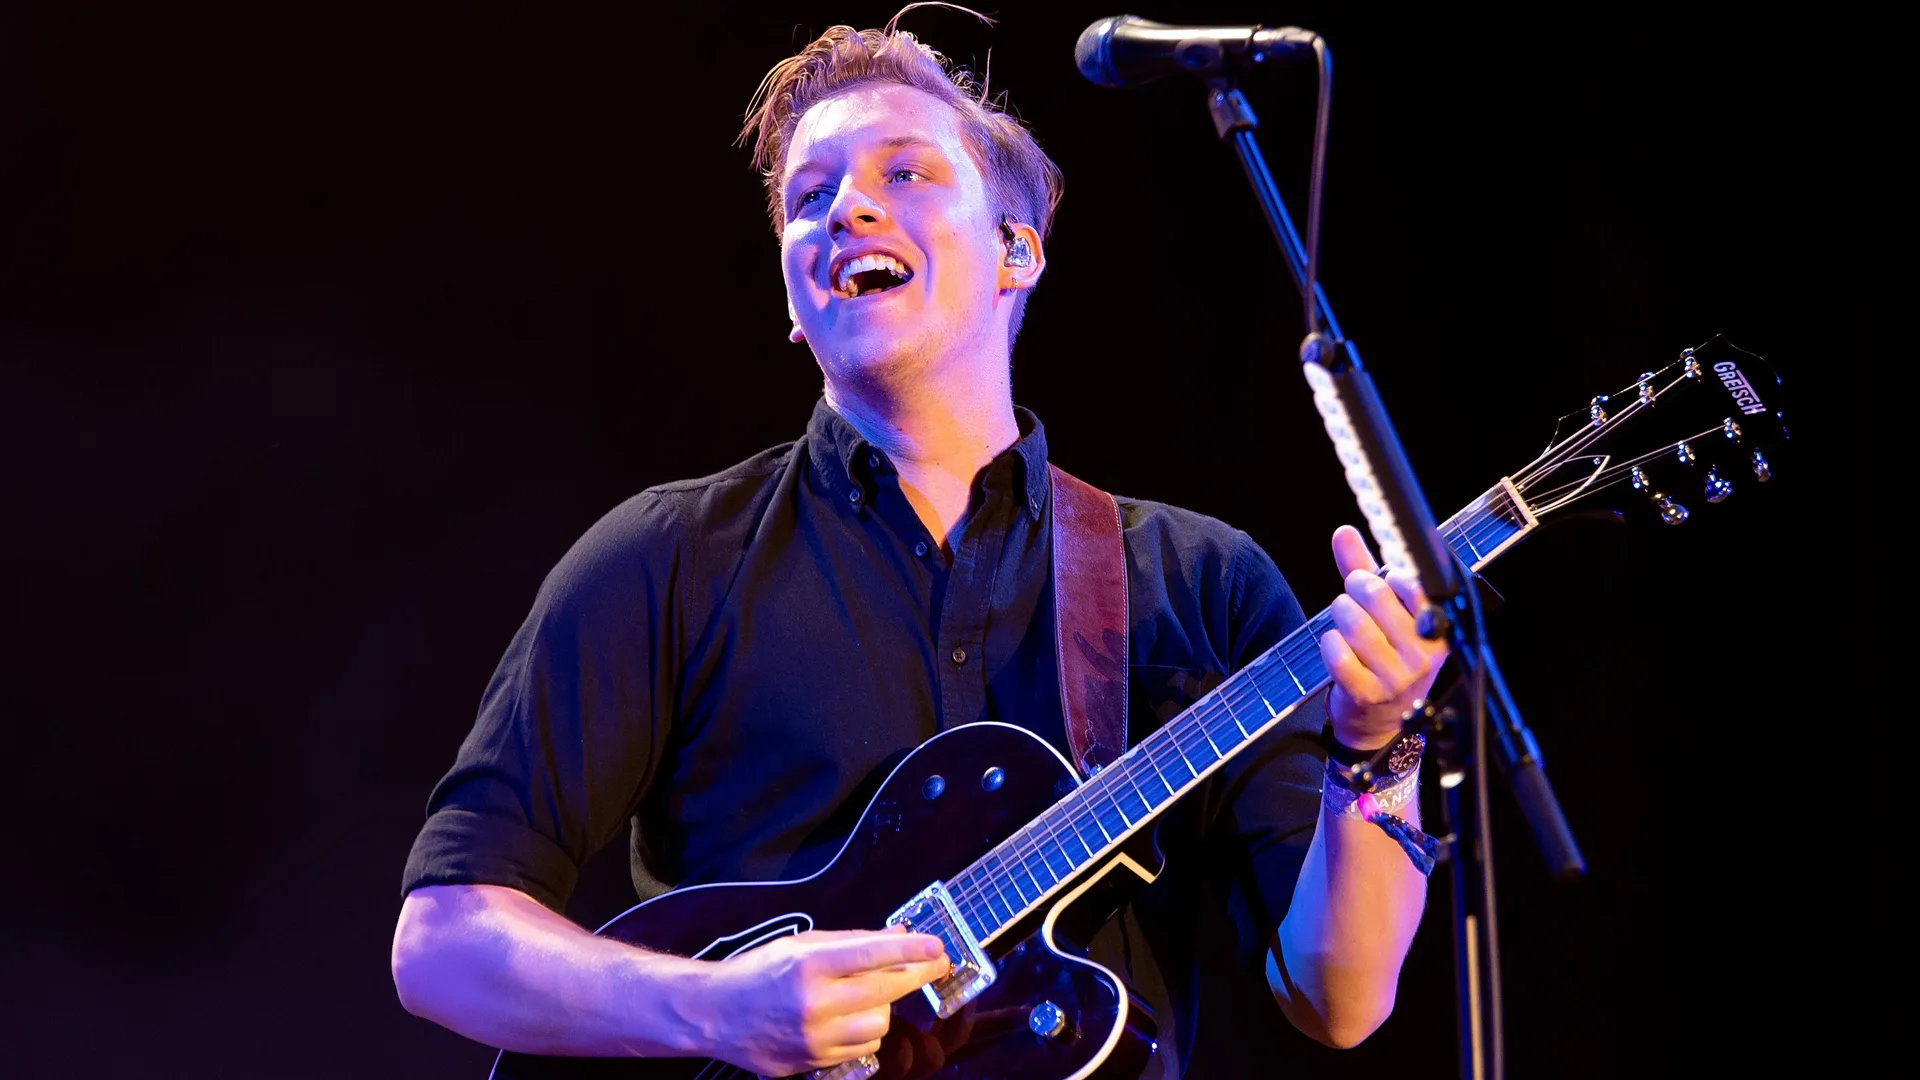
1033,864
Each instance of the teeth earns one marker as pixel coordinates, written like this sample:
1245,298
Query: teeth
861,264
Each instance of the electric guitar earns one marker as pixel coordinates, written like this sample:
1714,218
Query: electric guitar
987,838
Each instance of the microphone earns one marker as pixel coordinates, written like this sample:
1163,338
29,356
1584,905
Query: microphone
1126,50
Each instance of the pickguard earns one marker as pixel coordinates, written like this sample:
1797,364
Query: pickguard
796,922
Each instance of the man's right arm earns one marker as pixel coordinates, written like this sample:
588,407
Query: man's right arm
493,964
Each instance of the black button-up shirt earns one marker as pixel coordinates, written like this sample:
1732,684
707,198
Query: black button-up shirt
726,667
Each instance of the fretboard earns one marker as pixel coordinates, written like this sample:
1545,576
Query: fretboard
1033,864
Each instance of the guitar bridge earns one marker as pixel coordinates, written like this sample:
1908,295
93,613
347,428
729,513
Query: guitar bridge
857,1069
933,912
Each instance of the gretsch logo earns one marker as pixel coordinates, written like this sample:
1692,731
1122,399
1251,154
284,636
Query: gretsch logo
1745,397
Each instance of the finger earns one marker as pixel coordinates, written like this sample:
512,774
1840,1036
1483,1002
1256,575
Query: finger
1408,590
1367,642
1390,614
1347,670
1350,552
857,1028
873,989
861,951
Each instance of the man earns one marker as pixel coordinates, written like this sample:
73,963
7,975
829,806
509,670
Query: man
727,663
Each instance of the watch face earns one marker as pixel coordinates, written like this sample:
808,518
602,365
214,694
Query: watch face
1406,753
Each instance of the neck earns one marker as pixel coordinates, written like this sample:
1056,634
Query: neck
940,432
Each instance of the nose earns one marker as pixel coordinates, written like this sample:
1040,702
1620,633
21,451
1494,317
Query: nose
853,210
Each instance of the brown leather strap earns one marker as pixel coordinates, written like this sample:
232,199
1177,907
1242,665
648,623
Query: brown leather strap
1090,619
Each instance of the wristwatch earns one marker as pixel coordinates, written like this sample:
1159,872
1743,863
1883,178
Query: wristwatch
1401,754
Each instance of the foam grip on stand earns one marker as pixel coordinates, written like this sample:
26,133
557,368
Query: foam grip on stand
1542,811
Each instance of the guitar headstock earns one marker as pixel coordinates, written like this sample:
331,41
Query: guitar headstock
1718,409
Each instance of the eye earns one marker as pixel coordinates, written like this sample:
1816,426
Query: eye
808,198
909,175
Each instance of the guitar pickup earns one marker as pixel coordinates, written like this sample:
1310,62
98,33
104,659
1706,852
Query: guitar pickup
933,912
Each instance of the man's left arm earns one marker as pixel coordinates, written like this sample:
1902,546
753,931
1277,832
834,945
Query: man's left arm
1334,963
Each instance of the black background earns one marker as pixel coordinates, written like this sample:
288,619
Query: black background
324,331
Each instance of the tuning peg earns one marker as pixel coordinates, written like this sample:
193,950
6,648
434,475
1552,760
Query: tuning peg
1684,450
1731,429
1717,488
1598,410
1670,512
1693,366
1646,389
1762,471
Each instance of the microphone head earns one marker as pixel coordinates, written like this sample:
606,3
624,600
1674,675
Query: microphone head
1093,53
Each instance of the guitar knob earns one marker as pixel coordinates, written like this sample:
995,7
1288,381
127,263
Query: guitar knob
1670,512
1046,1020
1717,488
1762,471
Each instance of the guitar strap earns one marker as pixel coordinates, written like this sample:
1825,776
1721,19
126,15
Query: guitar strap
1090,620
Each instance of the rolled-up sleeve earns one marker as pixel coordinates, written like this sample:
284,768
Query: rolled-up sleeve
574,721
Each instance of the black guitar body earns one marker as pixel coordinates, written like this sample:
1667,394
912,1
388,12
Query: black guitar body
907,839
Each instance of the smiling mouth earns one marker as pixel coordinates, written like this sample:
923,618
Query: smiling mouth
868,275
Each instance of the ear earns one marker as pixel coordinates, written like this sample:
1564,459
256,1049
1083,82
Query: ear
1022,256
794,335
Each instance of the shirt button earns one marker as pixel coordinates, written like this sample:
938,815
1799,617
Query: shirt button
873,461
959,656
854,496
920,549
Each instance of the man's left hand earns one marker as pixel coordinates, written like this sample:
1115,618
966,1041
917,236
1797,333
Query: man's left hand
1379,662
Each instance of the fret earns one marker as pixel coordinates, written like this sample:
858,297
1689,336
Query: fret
1096,838
1169,742
1057,859
1128,796
1162,791
1225,727
1209,738
1088,823
1026,864
1020,897
1220,724
1163,753
997,902
1119,811
1004,883
1256,672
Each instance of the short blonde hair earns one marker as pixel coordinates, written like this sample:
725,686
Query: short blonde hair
1021,180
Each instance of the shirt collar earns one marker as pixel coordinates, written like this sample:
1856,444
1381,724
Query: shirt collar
844,461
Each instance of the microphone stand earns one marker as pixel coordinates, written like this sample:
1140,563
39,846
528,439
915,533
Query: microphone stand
1402,524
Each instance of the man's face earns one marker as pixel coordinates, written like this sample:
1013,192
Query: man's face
890,250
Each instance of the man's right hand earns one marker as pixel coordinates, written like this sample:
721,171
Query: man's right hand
812,1000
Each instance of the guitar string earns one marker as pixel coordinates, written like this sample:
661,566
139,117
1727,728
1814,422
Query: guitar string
1593,432
1185,734
1612,474
1487,517
1590,431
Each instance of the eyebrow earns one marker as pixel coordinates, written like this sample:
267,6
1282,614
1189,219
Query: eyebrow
889,145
